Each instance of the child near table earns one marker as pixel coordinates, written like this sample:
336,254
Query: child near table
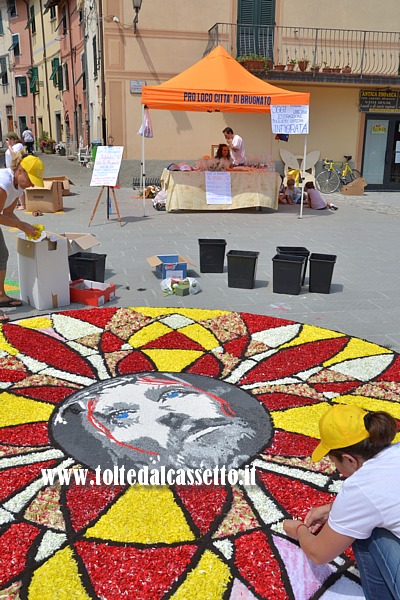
315,200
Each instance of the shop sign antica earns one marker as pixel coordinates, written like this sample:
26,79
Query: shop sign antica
379,101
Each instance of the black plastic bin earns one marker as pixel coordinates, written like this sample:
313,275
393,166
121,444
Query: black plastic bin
242,266
87,265
212,255
321,270
296,251
287,273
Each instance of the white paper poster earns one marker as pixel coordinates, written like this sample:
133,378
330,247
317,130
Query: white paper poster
218,187
289,119
107,165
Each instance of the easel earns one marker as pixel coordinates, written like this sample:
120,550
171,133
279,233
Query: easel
108,204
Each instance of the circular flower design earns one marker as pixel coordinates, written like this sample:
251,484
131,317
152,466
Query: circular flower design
62,540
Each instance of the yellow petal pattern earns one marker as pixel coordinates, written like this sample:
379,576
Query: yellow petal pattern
36,323
208,580
15,410
148,334
201,335
146,515
301,420
310,333
57,578
357,349
172,360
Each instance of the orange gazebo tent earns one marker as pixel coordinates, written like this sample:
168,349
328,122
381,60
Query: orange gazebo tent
219,83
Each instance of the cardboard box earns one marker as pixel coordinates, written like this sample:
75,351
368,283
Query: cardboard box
80,242
43,271
355,188
66,183
182,289
92,293
47,199
170,265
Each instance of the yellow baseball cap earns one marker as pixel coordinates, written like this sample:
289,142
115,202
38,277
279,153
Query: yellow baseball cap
340,427
34,168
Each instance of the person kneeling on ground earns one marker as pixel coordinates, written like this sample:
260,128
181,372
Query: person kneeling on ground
365,513
24,172
315,200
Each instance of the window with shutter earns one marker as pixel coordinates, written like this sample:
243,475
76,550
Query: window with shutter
3,70
55,63
60,78
1,24
256,20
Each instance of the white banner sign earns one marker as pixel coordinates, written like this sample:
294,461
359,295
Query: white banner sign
107,165
289,119
218,187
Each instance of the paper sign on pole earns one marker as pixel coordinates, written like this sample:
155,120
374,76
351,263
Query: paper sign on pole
218,187
107,165
289,119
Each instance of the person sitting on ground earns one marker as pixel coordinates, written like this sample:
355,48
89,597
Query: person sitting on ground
25,171
14,144
291,193
223,157
365,513
315,200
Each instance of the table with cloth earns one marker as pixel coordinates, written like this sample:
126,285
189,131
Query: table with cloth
250,189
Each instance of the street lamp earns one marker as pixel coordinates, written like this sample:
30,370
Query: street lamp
137,5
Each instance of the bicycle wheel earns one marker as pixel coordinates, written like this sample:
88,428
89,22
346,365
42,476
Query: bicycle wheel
327,182
354,174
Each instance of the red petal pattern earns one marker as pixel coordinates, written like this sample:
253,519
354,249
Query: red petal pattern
125,572
206,365
48,393
294,359
15,478
204,503
257,323
14,546
32,434
110,342
86,502
292,444
256,562
295,496
135,363
47,349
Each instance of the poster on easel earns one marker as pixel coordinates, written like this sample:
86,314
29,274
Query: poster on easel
107,165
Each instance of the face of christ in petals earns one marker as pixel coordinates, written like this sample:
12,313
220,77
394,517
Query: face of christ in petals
162,419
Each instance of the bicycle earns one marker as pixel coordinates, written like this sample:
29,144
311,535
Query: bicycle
334,174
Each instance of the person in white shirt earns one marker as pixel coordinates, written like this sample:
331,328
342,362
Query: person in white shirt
28,139
25,171
365,513
13,144
236,146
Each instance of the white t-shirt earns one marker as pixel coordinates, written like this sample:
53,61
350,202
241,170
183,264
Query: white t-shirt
315,199
27,136
238,155
7,184
16,148
370,497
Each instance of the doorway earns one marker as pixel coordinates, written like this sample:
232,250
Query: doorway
381,155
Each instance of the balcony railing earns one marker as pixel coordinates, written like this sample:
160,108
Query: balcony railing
365,53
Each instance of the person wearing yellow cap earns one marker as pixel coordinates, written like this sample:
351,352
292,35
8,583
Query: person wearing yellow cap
366,511
24,172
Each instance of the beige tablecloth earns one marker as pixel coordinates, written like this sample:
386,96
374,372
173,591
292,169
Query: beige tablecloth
187,190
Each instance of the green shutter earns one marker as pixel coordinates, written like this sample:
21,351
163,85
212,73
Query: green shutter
22,86
251,38
60,78
1,24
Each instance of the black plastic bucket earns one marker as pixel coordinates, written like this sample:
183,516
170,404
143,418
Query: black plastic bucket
321,271
242,266
87,265
212,255
287,273
296,251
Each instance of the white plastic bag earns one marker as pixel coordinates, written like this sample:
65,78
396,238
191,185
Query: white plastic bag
167,285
